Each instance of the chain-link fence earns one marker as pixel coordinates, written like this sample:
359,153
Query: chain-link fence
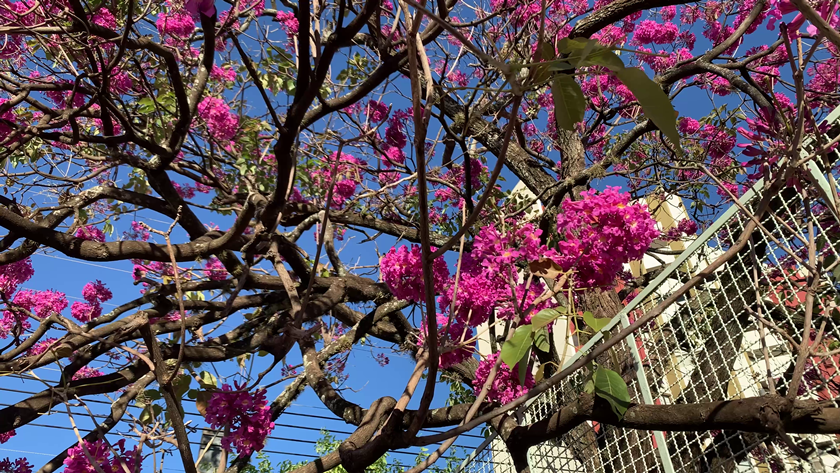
732,336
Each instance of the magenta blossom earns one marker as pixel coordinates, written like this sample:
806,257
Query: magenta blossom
506,386
247,415
450,340
6,436
77,459
402,272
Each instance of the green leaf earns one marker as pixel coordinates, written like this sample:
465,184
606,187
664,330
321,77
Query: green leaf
545,51
152,394
587,49
560,65
207,380
571,45
150,413
593,323
514,349
569,103
589,387
181,385
541,340
610,387
605,58
523,366
545,317
655,103
146,416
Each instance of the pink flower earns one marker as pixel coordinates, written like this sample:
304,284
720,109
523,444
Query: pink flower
138,232
46,303
506,386
175,23
246,415
600,233
95,292
226,74
402,272
18,466
84,312
13,275
215,270
343,172
688,126
288,22
104,18
86,372
41,346
77,461
6,436
221,122
450,340
376,111
89,232
120,83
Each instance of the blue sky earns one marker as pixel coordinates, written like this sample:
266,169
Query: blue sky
298,428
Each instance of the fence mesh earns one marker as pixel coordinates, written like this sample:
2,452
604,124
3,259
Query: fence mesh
732,336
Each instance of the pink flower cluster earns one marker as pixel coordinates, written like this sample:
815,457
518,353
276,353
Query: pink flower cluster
288,22
13,275
343,172
246,415
402,271
226,74
221,122
86,372
6,436
41,346
89,232
138,232
506,386
377,112
77,461
215,270
94,293
21,465
178,23
600,233
41,304
449,340
685,227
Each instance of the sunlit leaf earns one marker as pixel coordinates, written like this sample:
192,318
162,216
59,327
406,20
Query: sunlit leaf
569,103
514,349
611,387
545,317
655,103
593,323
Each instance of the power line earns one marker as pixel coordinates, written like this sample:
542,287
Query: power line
87,263
309,442
311,416
196,414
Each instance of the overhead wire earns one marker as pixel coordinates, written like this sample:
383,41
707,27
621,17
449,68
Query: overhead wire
83,431
196,414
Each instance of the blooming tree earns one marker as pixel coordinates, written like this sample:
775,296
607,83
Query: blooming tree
336,172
